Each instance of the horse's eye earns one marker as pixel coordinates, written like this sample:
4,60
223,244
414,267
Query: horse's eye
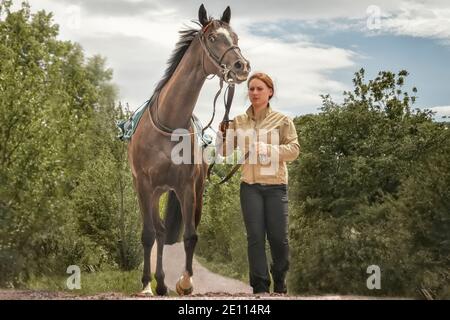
212,37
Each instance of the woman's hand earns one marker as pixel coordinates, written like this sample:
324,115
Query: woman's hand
261,148
223,126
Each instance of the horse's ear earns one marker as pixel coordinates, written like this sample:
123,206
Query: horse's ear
226,15
202,16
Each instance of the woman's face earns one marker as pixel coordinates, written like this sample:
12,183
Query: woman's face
259,93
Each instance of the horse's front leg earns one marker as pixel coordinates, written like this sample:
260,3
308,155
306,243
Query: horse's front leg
148,233
185,285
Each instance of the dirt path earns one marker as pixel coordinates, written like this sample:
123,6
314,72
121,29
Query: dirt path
45,295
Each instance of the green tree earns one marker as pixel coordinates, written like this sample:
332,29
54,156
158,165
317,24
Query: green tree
424,200
355,159
59,158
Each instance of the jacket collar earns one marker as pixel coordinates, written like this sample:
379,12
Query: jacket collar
264,113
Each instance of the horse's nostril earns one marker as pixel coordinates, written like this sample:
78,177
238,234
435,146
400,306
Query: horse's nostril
238,65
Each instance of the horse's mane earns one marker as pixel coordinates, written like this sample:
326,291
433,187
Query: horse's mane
186,38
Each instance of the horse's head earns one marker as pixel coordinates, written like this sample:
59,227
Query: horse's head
221,45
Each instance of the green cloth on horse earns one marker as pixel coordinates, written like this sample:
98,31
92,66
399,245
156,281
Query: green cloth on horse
128,127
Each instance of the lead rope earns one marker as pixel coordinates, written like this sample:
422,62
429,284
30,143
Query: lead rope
228,99
214,106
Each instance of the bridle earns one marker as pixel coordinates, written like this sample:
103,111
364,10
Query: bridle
215,60
224,72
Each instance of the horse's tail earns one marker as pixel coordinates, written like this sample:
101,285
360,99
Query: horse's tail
173,220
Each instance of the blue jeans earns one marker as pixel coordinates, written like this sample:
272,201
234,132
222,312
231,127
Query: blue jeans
265,212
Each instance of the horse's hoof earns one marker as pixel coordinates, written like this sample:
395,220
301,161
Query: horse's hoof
185,286
184,292
161,291
147,291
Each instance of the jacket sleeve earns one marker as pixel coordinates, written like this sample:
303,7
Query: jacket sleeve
289,148
225,147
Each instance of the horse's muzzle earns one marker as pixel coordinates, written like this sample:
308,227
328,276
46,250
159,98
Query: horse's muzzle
240,70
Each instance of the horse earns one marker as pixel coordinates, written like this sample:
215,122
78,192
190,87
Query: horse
210,50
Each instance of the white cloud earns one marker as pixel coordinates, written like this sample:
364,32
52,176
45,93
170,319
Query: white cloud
419,20
300,69
256,11
441,112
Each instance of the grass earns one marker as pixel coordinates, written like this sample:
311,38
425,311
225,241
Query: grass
126,282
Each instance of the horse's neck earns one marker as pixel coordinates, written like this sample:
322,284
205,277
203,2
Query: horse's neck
179,96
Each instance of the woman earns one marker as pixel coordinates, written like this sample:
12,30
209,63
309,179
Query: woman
263,134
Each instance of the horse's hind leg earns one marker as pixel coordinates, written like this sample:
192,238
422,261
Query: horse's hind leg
148,232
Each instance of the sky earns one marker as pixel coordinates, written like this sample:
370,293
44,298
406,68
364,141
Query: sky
309,48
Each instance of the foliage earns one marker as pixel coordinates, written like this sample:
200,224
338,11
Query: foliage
363,190
65,196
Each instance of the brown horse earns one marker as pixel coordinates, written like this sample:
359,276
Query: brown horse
212,49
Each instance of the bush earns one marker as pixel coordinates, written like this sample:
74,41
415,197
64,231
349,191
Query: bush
370,188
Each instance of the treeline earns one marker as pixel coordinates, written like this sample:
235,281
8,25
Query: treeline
65,193
371,188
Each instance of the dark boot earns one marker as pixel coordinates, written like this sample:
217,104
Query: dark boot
280,287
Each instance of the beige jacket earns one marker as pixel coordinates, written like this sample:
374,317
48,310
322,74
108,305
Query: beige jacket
271,127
